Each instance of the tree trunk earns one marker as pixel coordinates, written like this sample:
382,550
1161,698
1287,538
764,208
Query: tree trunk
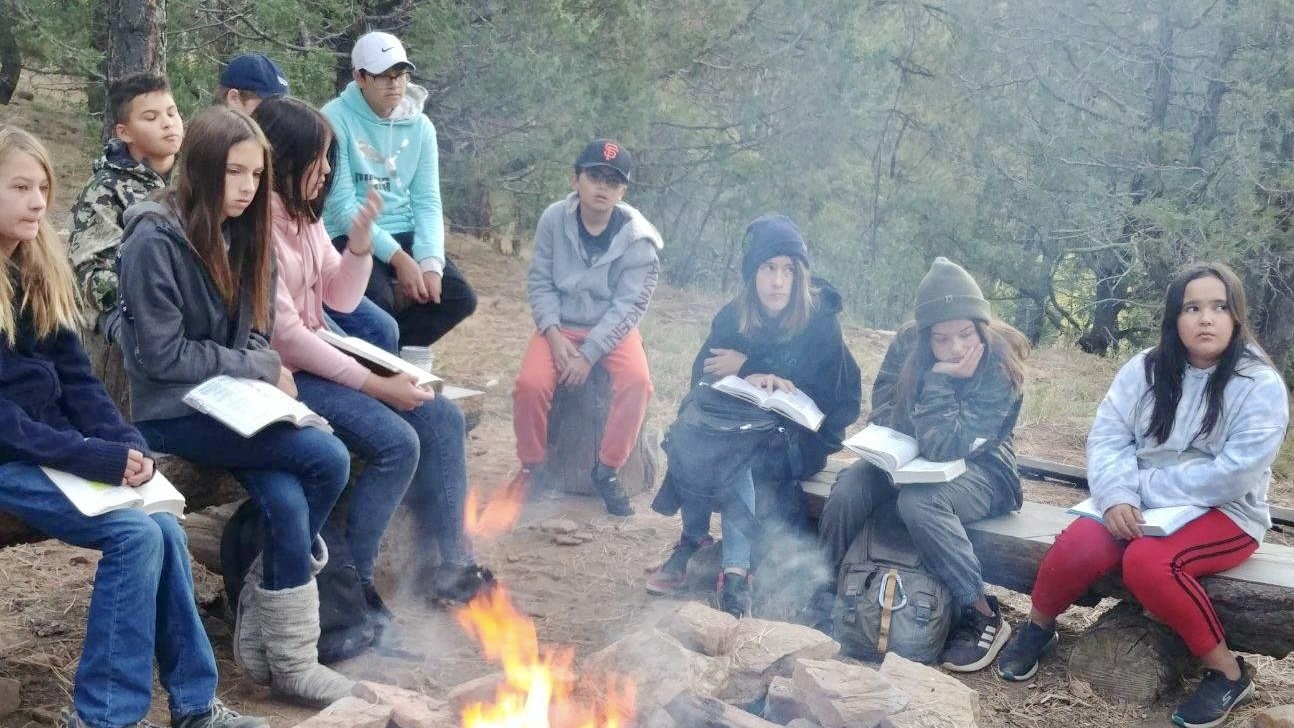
135,42
10,59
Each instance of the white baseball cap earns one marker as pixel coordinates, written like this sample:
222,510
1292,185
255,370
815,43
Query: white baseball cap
376,52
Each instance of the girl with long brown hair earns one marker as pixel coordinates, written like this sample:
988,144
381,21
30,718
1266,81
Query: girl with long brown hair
54,414
952,379
197,300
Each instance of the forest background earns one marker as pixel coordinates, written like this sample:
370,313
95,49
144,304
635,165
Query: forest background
1070,153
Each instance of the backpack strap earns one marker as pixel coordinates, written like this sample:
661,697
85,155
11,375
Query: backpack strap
890,583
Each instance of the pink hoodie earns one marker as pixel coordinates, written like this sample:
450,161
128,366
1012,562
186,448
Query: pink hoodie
312,273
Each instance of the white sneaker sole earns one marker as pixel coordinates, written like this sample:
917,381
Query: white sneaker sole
999,641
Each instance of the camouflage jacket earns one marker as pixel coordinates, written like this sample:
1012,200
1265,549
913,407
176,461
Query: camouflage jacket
956,418
118,182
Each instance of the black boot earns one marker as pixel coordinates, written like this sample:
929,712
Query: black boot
607,482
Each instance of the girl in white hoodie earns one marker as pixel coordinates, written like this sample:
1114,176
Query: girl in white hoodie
1197,421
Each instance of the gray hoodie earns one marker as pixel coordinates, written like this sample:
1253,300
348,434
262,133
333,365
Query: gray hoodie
1229,468
608,296
175,331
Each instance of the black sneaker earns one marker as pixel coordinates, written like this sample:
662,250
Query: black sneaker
734,593
975,642
1214,698
460,583
671,577
381,614
607,482
1019,660
817,613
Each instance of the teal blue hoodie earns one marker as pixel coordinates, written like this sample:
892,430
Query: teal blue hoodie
398,156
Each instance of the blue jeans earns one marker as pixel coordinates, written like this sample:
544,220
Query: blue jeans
368,322
736,544
422,450
142,605
295,475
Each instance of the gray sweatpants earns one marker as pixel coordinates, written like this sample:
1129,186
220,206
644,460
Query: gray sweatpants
933,512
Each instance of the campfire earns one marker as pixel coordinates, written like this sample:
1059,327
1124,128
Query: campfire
539,689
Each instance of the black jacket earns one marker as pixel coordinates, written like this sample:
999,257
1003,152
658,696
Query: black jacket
816,360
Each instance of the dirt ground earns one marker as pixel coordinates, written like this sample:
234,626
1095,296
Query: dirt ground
584,596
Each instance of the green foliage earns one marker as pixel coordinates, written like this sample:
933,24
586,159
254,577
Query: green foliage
1071,154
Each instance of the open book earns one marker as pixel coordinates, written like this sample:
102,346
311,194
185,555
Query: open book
383,363
248,406
94,498
798,407
900,456
1159,521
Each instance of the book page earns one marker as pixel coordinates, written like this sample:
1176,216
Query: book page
920,470
363,350
244,405
1158,521
158,495
738,387
889,449
91,497
798,406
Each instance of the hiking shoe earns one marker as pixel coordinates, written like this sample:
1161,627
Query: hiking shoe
460,582
977,640
670,578
607,482
69,719
219,716
1019,660
734,593
1214,698
817,613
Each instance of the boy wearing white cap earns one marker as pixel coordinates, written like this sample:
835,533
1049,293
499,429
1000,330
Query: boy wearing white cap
384,141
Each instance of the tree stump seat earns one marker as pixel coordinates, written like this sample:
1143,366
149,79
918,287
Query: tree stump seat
575,424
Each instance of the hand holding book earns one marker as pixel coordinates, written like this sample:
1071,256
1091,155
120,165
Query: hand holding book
400,390
139,469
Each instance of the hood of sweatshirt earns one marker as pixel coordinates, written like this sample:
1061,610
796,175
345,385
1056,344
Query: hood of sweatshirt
408,110
117,162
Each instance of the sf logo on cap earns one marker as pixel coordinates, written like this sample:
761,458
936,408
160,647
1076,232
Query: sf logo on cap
610,151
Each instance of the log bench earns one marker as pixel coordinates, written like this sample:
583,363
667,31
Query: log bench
1253,600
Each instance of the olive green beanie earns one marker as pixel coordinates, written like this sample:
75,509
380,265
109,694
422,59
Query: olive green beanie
948,293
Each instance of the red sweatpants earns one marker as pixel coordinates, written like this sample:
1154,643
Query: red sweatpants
631,390
1160,571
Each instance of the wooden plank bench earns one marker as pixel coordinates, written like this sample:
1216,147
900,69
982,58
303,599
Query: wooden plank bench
1253,600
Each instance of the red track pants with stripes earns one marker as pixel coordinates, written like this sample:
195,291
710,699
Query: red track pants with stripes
1160,572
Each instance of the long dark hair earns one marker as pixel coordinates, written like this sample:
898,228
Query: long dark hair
1004,347
198,196
1166,363
299,135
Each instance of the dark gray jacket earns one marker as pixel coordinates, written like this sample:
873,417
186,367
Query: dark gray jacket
175,331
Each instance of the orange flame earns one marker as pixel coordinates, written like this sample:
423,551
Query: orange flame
500,513
537,687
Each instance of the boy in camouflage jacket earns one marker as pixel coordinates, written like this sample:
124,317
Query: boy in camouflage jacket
136,162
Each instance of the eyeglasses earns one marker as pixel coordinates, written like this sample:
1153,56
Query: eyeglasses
606,176
389,79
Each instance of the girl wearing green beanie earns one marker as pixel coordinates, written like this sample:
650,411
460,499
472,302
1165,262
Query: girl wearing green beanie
953,379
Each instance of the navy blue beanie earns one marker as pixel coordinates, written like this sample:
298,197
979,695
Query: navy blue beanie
768,237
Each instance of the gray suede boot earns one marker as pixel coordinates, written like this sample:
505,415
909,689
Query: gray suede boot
249,648
290,628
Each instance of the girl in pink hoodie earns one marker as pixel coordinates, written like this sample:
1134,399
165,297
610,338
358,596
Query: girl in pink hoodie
409,438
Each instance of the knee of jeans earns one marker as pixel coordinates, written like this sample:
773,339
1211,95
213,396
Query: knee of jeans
400,445
173,534
332,462
449,418
137,537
